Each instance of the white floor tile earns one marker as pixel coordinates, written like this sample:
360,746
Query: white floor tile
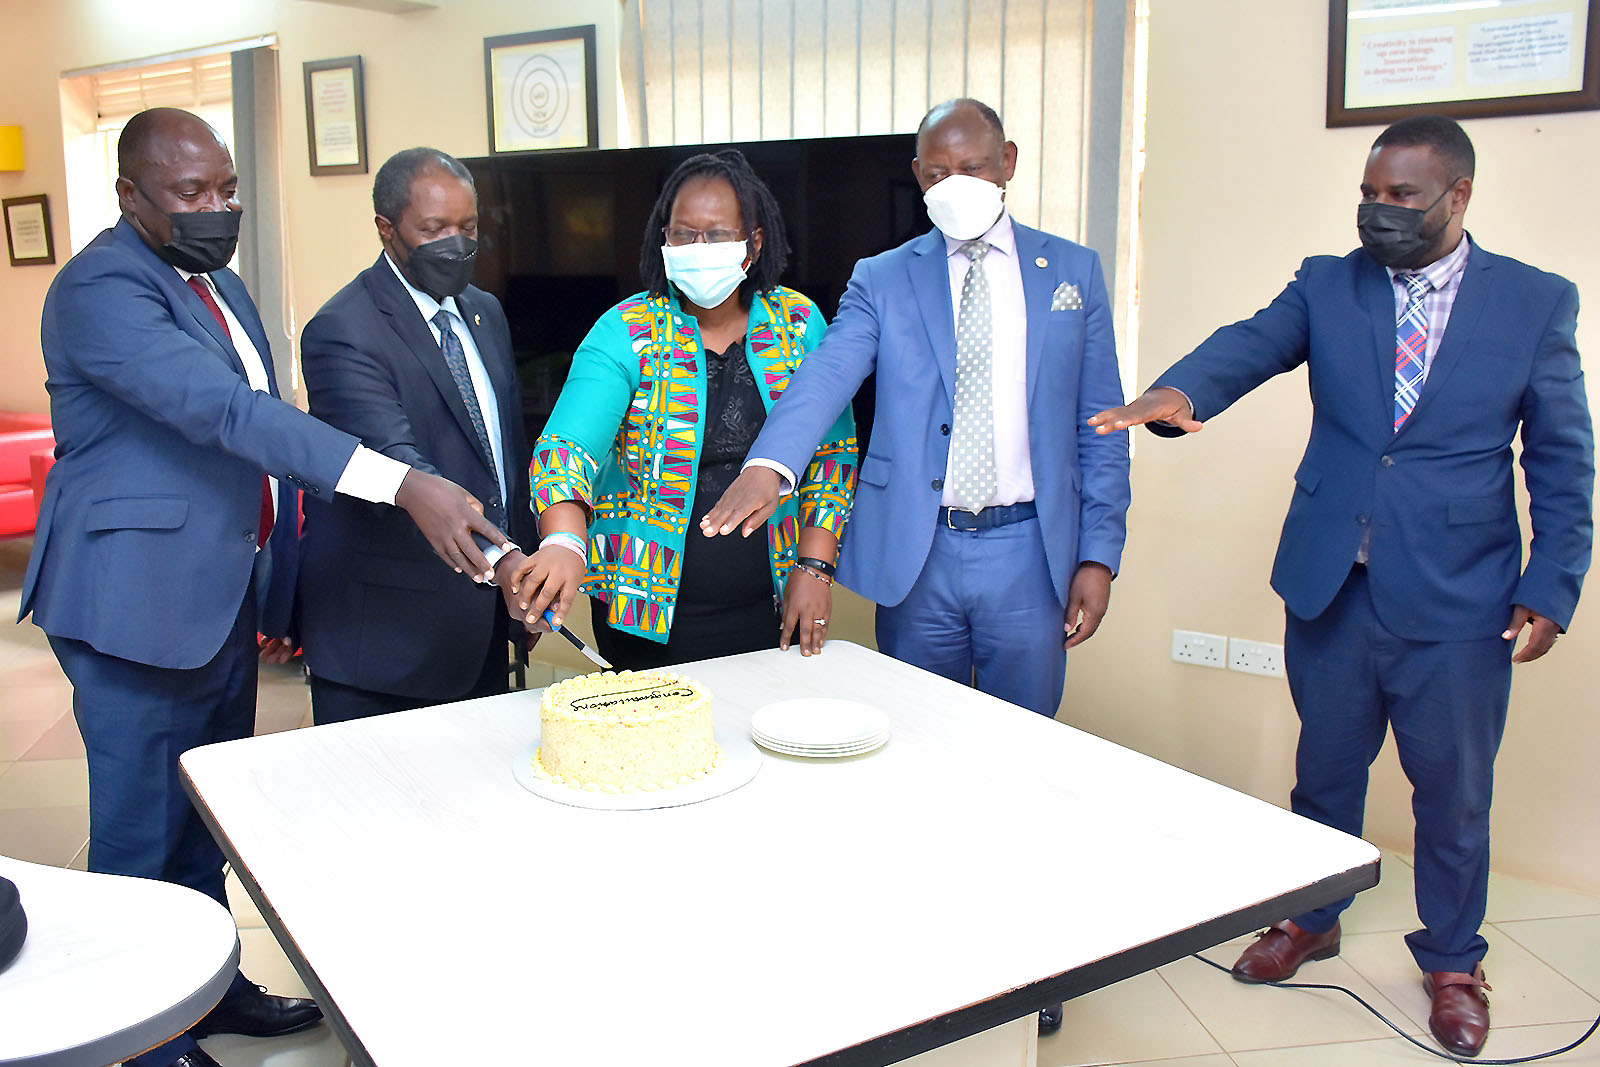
1514,899
1137,1019
316,1047
1242,1017
45,784
1571,946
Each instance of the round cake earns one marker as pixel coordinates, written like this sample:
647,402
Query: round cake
625,733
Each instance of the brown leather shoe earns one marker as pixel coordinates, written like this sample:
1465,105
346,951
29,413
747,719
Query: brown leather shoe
1281,949
1460,1016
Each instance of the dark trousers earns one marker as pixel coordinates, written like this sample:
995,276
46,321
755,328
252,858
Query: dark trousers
337,702
136,720
1352,680
984,609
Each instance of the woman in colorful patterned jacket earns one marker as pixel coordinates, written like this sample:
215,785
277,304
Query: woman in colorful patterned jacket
664,399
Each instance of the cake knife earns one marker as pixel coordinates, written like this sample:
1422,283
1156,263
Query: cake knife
577,642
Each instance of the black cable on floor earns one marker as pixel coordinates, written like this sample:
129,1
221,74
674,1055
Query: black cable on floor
1353,995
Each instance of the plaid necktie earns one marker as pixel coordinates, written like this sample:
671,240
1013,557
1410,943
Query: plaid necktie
265,522
1411,348
455,357
972,472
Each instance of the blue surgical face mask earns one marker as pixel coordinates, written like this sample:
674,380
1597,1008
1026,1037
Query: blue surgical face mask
706,274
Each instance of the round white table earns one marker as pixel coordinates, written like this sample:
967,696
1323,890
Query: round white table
112,966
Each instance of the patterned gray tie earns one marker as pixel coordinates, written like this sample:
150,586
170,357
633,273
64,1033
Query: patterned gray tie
455,357
972,475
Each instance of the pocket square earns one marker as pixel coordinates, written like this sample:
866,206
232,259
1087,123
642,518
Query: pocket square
1066,298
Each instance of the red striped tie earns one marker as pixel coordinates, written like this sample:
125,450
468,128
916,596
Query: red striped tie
264,528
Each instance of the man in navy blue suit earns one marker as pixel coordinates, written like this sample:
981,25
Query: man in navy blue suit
1400,564
989,519
160,553
417,363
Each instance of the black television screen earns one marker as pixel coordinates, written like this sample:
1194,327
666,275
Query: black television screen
560,233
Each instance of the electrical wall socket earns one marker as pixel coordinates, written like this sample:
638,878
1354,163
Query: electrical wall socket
1203,650
1255,657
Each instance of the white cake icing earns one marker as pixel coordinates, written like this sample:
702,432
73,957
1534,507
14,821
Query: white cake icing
626,733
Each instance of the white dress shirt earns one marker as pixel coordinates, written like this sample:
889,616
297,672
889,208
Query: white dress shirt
1013,470
1013,467
476,370
368,475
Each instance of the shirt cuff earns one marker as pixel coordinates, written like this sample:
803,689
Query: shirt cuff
784,473
372,476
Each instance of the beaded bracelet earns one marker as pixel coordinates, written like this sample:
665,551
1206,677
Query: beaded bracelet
818,575
817,564
569,541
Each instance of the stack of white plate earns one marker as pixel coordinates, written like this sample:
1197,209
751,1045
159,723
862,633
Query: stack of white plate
820,727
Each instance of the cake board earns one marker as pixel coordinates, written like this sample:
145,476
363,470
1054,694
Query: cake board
740,762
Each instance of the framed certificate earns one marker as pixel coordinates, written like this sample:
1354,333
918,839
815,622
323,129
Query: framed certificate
1391,58
28,237
542,90
336,118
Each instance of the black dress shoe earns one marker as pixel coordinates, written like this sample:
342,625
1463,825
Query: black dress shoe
1050,1020
258,1014
197,1058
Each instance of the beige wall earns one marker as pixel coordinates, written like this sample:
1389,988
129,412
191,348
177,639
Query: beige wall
1243,182
424,85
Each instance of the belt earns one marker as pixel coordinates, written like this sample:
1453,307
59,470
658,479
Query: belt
988,518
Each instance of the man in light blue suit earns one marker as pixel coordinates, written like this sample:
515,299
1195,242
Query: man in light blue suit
1400,564
168,534
989,519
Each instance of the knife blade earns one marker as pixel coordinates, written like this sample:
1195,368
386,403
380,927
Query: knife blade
577,642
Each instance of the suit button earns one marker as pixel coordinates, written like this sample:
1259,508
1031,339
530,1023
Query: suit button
945,429
250,538
938,483
495,502
1387,461
1361,520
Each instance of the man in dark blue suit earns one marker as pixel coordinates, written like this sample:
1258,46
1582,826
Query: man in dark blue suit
988,520
159,555
1400,563
417,363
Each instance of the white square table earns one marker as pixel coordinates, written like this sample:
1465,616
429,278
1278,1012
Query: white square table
986,862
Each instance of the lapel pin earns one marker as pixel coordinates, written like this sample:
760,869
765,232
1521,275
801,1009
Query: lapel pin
1041,262
477,320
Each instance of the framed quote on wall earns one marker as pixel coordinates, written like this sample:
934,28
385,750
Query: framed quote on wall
1391,58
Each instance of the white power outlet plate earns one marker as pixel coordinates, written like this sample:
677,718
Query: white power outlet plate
1255,657
1203,650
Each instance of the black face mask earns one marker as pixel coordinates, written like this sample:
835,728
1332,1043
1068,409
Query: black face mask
440,268
1393,235
202,241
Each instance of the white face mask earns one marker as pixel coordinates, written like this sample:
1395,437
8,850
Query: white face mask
707,274
963,206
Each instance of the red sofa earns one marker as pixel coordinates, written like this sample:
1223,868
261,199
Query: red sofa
27,449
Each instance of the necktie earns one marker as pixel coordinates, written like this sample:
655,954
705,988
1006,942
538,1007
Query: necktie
264,524
972,473
455,357
1411,348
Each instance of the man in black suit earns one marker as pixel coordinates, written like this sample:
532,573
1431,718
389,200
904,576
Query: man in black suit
417,363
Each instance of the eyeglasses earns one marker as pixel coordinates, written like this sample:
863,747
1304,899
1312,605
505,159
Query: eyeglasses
682,235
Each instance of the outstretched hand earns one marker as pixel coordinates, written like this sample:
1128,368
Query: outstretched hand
1541,638
448,516
745,505
1154,405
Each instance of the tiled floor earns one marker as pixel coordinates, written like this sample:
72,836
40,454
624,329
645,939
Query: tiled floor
1544,943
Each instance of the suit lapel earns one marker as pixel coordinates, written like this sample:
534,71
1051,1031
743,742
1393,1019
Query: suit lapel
1377,296
1037,293
930,282
406,320
1459,329
243,308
